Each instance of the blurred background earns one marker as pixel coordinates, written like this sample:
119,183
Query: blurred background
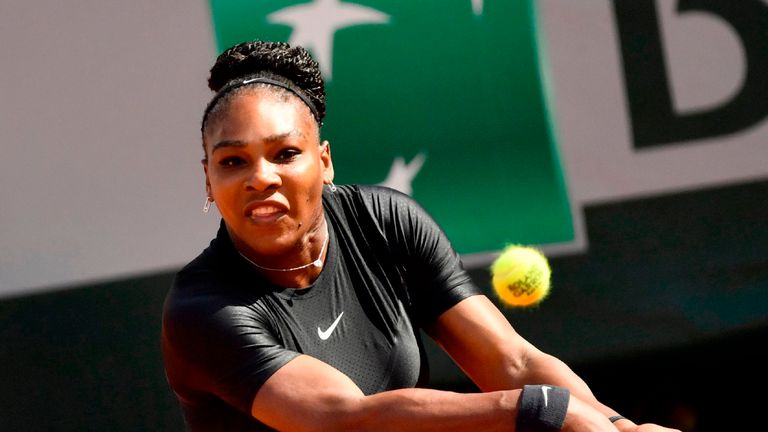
625,138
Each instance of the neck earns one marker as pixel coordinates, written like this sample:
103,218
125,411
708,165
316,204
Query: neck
317,263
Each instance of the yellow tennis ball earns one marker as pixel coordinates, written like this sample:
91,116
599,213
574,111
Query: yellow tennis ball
521,276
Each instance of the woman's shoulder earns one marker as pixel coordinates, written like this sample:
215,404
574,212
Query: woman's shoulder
211,265
376,198
201,281
359,202
202,294
379,191
198,271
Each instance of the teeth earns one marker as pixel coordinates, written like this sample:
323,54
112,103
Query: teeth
263,211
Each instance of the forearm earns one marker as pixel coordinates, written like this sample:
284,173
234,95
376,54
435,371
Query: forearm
425,409
430,410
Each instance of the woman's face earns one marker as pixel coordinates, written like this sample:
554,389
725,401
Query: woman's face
265,170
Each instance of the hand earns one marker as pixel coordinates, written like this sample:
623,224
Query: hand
645,427
582,417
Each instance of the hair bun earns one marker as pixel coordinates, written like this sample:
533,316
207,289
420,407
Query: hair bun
243,59
274,58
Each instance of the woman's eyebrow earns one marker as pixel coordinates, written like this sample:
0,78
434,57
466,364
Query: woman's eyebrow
284,135
269,139
227,143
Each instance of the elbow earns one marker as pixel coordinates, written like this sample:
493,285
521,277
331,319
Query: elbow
518,366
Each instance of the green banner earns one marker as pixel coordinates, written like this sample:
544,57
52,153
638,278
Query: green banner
441,99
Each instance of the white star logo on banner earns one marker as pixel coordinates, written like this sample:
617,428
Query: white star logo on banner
477,7
401,174
314,25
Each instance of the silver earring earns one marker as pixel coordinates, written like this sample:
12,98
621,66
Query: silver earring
207,205
332,186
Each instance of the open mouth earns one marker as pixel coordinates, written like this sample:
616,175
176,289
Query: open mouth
265,212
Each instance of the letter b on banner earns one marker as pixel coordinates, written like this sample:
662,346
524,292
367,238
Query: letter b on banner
654,121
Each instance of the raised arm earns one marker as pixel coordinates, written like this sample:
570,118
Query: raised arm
483,343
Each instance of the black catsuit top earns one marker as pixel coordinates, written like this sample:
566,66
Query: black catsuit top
389,270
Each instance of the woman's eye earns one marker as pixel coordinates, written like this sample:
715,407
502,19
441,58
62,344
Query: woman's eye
287,155
231,161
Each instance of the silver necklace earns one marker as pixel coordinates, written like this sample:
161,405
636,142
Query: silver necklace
317,263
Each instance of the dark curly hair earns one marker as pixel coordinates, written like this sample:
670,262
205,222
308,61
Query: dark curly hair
291,68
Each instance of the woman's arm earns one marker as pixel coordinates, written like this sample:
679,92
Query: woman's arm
483,343
309,395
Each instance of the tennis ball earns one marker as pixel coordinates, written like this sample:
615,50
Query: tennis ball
521,276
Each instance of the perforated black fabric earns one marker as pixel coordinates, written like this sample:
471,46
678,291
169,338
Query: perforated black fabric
388,270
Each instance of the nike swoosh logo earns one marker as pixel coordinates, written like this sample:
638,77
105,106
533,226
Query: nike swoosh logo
325,334
544,390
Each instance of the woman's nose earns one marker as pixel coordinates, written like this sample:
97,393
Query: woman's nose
264,176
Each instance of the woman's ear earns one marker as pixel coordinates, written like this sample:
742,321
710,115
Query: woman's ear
204,162
325,158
